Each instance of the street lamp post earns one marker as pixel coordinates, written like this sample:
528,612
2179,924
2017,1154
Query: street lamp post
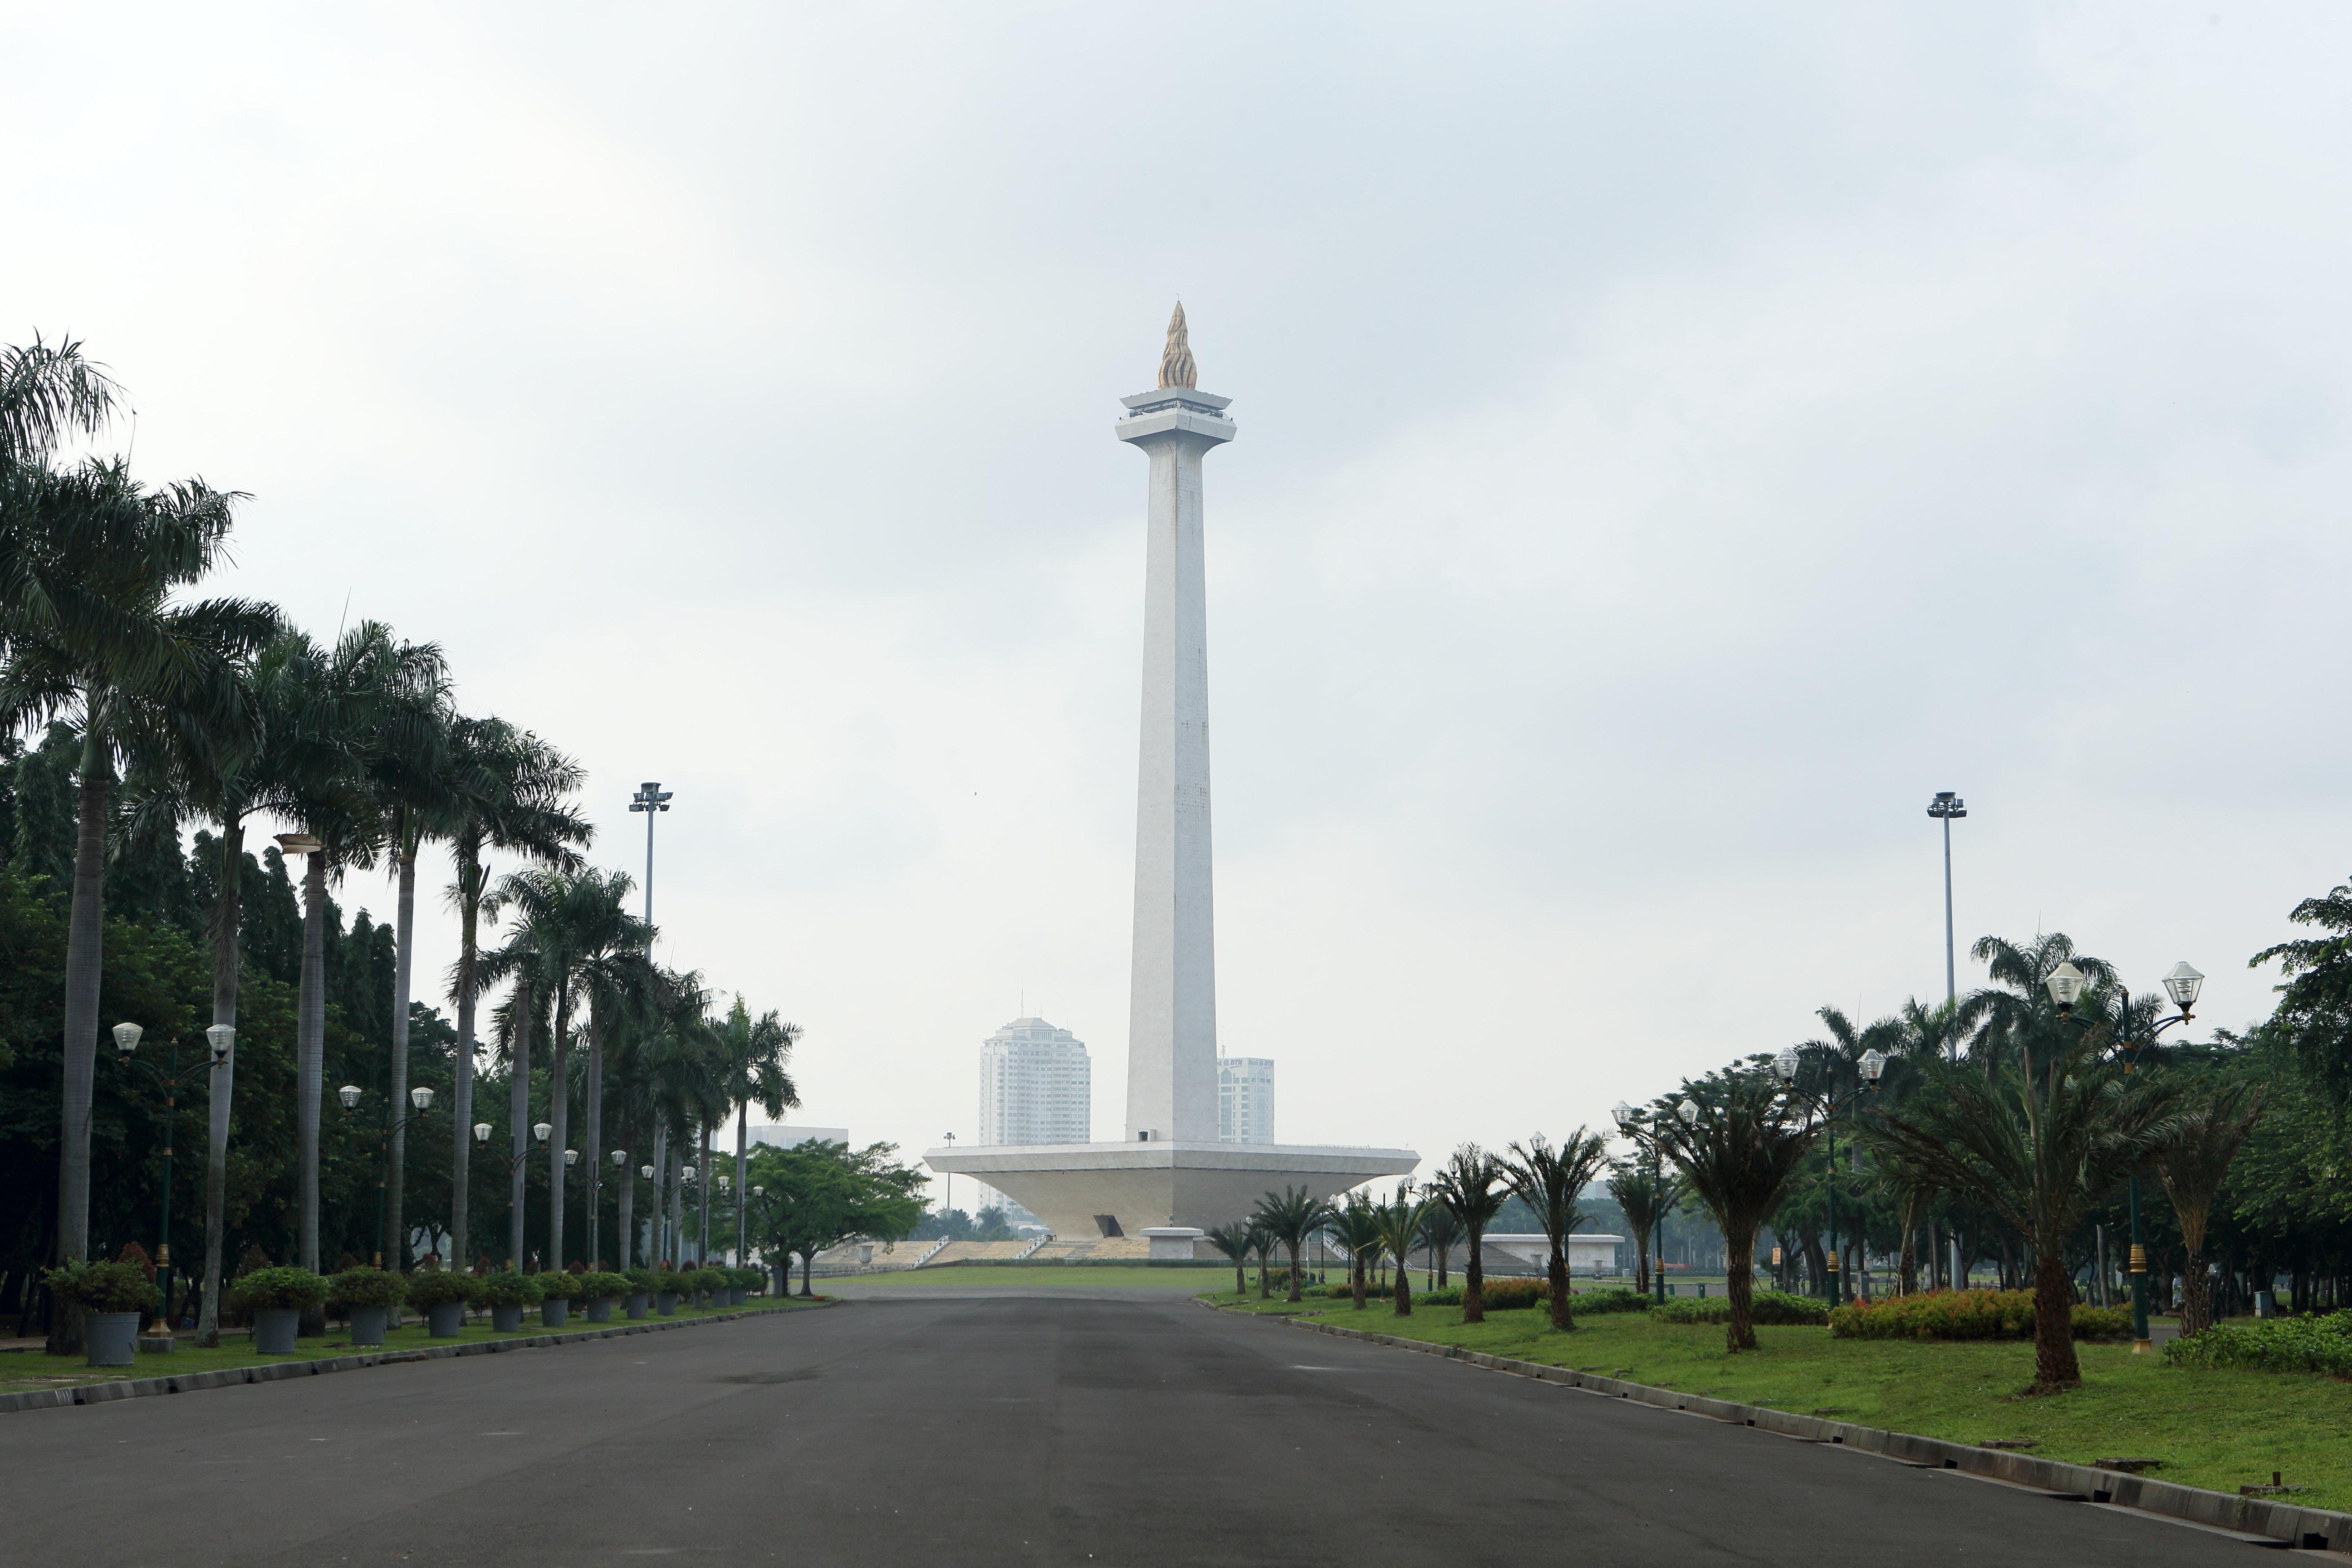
1632,1123
1872,1065
539,1130
623,1196
2066,985
1946,808
126,1042
421,1098
651,799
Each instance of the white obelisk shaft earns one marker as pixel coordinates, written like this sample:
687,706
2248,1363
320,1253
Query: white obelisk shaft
1171,1051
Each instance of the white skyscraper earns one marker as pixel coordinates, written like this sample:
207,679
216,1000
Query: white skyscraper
1036,1085
1244,1100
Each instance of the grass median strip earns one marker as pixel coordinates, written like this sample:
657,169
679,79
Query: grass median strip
2221,1429
26,1372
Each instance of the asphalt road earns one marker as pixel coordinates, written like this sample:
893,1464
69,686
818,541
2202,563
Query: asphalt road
1118,1429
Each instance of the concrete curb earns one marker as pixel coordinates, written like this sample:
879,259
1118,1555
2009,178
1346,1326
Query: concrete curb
237,1376
2273,1524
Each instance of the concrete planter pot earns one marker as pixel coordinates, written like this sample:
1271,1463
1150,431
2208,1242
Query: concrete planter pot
444,1320
506,1319
274,1328
735,1294
114,1338
600,1310
701,1300
555,1312
664,1302
368,1324
637,1303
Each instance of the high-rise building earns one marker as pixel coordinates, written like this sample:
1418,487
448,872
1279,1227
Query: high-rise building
1036,1085
1244,1100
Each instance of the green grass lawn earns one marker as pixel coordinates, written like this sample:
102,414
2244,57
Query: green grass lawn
1086,1276
2218,1429
22,1369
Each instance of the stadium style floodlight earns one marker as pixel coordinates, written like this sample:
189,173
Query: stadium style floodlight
350,1095
222,1039
2066,983
2182,983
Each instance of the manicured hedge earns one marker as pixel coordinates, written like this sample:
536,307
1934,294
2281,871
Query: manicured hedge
1610,1302
104,1287
438,1288
1766,1307
596,1287
282,1287
506,1288
367,1287
1965,1315
561,1285
2321,1344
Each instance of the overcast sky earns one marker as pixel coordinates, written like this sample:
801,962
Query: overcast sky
1674,441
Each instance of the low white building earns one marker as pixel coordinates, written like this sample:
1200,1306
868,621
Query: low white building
1587,1254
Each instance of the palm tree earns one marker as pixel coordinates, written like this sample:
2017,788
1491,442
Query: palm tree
2017,1002
1441,1233
1646,1198
516,801
752,1056
1397,1224
1470,1187
620,988
1549,1181
1353,1227
1262,1244
2039,1134
2211,1127
1290,1216
90,633
1233,1238
1739,1142
47,394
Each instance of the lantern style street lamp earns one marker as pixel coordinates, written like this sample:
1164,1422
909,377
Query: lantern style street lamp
420,1098
1868,1070
1634,1125
169,1078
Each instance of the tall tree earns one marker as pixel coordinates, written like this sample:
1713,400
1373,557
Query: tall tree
1470,1187
1354,1227
1231,1239
2214,1122
2314,1007
90,633
752,1054
1738,1141
1290,1216
1398,1224
1550,1181
1647,1195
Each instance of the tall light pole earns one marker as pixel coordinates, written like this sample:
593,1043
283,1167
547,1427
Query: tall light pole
1944,809
650,798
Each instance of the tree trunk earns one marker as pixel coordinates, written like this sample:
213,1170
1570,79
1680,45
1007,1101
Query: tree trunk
225,959
469,915
1357,1277
1739,1290
1293,1248
517,1120
2196,1296
1557,1273
558,1116
1403,1287
395,1240
806,1259
310,1061
2055,1366
85,963
1473,1280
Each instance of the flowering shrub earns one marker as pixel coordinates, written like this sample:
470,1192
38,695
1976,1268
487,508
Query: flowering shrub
2279,1344
1965,1315
1771,1308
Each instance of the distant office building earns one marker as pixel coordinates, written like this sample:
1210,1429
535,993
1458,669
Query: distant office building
1244,1100
1036,1085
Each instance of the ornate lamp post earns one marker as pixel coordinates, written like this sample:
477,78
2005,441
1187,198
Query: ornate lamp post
482,1130
1634,1125
1867,1071
422,1099
219,1038
2066,985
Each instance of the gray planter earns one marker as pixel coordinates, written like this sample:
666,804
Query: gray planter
367,1324
600,1310
506,1319
554,1311
701,1300
274,1328
735,1294
114,1338
444,1320
637,1302
664,1302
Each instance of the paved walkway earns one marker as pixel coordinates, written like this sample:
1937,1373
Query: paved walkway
968,1430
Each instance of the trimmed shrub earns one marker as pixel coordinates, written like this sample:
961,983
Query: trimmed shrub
1965,1315
506,1288
366,1287
600,1287
286,1286
104,1287
438,1288
2320,1344
747,1278
704,1278
1776,1308
1610,1300
643,1281
561,1285
1513,1294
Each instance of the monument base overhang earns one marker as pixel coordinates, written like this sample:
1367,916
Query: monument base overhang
1075,1188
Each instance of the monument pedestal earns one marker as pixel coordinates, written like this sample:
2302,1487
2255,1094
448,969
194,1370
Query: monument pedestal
1083,1191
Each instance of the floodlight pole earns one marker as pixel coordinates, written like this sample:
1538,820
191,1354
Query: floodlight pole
650,798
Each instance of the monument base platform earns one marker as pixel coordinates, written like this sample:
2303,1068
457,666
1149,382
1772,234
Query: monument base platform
1087,1190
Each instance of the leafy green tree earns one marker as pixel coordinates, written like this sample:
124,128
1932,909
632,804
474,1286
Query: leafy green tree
818,1194
1470,1187
1550,1181
1291,1217
2315,1008
1738,1152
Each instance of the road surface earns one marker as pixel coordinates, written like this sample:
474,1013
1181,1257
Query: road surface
1116,1429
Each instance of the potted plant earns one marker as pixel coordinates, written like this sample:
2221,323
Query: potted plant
506,1293
368,1295
707,1283
600,1290
667,1283
277,1299
739,1285
641,1290
557,1289
442,1295
112,1296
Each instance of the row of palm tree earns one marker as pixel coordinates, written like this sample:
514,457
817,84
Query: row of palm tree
214,711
